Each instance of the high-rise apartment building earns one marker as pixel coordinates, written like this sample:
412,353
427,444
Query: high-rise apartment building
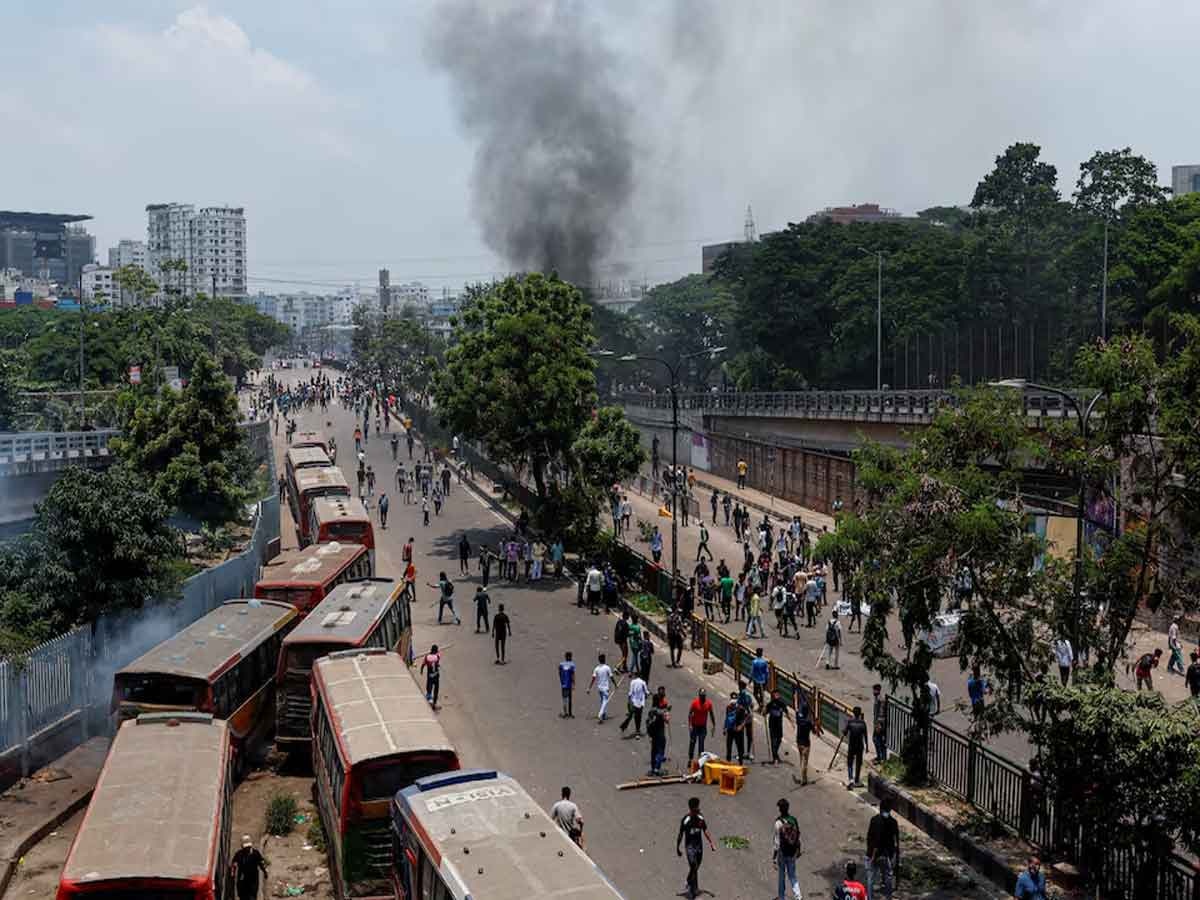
129,253
46,246
1185,180
211,242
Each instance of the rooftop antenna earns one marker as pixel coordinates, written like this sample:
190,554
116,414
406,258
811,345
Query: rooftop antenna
750,234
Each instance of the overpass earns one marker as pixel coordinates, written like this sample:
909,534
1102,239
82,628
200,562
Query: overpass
31,461
798,443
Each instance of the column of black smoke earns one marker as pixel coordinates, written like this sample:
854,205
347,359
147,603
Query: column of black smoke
553,170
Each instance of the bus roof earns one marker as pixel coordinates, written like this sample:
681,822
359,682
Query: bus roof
348,613
376,707
516,849
349,509
316,564
302,439
156,809
206,646
321,477
307,457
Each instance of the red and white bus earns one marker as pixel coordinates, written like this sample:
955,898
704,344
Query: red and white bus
298,458
159,819
302,439
374,733
306,486
374,612
305,577
341,519
222,664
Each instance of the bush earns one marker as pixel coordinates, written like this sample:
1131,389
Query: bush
281,813
316,835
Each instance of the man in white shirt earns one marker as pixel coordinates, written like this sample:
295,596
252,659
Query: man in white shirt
566,815
637,701
1175,663
1064,654
935,697
595,581
603,680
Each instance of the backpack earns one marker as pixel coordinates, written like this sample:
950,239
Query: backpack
731,716
449,588
831,634
789,836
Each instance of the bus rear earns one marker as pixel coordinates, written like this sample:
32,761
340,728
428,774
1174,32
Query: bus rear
341,519
323,481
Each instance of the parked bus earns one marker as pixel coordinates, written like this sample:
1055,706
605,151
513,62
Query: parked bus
373,734
159,819
299,458
516,851
341,519
305,577
307,486
370,613
302,439
223,664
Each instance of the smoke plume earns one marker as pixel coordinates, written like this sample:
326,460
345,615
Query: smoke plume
554,167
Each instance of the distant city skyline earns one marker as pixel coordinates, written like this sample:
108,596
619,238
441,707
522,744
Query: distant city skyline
339,137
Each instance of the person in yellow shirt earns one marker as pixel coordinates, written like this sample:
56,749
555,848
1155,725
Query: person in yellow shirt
742,468
754,616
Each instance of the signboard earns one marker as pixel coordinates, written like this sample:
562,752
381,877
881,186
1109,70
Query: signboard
135,374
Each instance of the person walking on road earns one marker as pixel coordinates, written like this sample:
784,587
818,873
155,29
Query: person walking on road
693,831
383,511
464,555
604,681
675,628
408,437
595,585
244,868
445,589
856,745
501,629
742,468
566,816
831,652
700,716
883,850
656,544
804,729
621,639
735,728
1175,646
657,718
425,511
482,602
775,712
431,665
566,681
703,548
1144,669
485,563
754,625
786,842
634,706
760,671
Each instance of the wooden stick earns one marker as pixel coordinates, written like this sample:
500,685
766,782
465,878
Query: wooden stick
651,782
835,752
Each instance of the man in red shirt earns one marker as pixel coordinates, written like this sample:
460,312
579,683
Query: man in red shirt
700,714
850,889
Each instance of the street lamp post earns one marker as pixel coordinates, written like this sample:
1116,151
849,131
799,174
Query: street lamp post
673,371
878,254
1082,415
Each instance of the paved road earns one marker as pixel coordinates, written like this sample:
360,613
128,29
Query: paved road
507,717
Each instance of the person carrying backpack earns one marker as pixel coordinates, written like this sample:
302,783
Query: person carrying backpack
621,639
787,848
833,643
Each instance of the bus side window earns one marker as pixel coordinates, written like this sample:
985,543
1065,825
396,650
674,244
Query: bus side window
428,879
221,695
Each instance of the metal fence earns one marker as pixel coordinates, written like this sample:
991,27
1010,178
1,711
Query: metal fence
32,446
1013,796
911,405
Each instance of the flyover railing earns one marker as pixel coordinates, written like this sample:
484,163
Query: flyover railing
29,446
863,405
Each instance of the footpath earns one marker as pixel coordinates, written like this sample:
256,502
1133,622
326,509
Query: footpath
35,806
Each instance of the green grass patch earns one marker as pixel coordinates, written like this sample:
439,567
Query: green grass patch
647,603
735,842
281,814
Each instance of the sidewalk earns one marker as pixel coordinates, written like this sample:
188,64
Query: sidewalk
32,808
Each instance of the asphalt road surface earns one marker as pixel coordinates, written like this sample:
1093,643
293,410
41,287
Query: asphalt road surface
507,716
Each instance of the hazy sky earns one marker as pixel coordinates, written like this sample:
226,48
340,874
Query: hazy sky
329,122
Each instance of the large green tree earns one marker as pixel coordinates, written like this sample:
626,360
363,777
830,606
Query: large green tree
519,377
189,445
683,319
100,542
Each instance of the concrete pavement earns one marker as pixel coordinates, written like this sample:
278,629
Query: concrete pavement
507,717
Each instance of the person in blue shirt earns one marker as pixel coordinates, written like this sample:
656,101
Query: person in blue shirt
760,670
656,543
977,687
1031,884
566,680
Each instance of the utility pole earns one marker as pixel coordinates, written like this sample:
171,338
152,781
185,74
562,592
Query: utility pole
1104,287
213,311
82,317
878,254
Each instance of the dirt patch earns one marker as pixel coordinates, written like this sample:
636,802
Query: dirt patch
39,870
297,867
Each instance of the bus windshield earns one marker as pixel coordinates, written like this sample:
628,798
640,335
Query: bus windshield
342,530
381,780
301,657
160,690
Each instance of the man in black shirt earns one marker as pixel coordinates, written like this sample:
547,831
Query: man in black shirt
244,867
856,744
883,849
775,712
693,830
1192,677
804,727
501,629
481,610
